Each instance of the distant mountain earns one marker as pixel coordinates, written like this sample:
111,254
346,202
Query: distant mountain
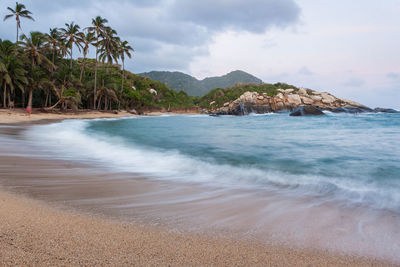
179,81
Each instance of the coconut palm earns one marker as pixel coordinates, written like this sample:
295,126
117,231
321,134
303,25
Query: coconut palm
109,46
53,43
12,73
88,39
19,12
98,26
67,96
106,93
72,36
124,49
34,47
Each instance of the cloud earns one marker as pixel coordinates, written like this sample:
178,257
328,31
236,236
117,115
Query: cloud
169,33
254,16
305,71
354,82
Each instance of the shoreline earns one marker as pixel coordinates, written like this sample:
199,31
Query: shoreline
19,117
82,238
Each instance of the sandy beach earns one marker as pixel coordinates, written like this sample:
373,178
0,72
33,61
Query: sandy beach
34,231
19,116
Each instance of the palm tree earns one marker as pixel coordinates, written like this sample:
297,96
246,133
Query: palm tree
34,45
72,36
19,12
88,39
109,46
67,97
98,27
12,73
53,43
107,93
124,49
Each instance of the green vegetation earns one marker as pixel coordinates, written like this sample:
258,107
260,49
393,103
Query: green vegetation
224,95
180,81
39,71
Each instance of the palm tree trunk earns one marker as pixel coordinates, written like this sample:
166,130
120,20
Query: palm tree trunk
30,97
95,74
99,103
9,99
122,85
47,99
4,95
70,63
55,105
23,98
17,32
82,67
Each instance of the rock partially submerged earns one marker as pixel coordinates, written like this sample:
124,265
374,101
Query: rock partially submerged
352,109
307,111
386,110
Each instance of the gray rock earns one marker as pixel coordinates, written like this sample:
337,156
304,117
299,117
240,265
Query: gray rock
307,111
386,110
352,109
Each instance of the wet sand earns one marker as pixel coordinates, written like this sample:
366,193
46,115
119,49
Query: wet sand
61,213
32,233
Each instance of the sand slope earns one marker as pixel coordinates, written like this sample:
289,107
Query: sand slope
32,233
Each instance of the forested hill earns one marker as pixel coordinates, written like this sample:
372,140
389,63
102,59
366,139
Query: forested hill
179,81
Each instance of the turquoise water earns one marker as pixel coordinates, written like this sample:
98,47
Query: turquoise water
351,159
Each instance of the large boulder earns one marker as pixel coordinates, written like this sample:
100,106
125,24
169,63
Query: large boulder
306,100
294,100
316,97
307,111
302,91
327,98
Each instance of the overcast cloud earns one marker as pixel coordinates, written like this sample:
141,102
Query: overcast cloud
165,34
345,47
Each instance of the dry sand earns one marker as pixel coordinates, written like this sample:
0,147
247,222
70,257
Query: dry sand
32,233
19,116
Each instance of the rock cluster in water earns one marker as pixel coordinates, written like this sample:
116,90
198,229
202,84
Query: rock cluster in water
290,100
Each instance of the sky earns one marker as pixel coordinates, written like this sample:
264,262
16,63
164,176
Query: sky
348,48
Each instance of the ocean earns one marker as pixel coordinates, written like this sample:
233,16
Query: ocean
329,181
354,159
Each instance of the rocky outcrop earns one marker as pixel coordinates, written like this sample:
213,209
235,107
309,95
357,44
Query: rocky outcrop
288,100
307,111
